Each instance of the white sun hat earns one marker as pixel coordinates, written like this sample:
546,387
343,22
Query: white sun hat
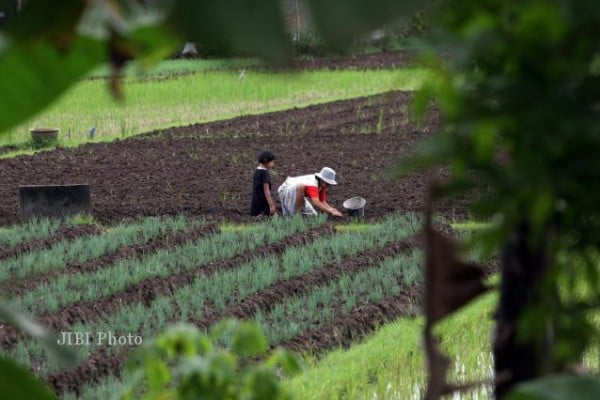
328,175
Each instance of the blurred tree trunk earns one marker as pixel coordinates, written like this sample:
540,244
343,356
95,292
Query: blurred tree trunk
524,267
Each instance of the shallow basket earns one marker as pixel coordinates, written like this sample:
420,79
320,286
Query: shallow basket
355,206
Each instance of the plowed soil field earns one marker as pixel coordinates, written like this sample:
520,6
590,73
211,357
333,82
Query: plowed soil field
206,169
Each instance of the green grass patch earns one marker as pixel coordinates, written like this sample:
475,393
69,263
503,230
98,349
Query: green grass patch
231,227
205,96
176,67
355,227
391,364
470,225
83,219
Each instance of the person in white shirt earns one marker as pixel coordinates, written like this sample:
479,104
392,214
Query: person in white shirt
306,193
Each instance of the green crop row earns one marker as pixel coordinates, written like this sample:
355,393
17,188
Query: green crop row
130,317
248,279
293,316
91,247
229,287
69,289
304,313
33,229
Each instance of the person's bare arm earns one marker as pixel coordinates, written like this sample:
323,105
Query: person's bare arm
266,189
323,206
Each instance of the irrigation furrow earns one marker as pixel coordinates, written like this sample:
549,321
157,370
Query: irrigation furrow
17,286
63,233
303,284
147,290
347,329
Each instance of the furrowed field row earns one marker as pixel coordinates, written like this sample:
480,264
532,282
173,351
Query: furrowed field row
301,281
127,273
83,249
116,314
34,229
191,260
194,232
341,112
30,353
304,313
249,279
208,296
162,309
44,235
342,331
383,278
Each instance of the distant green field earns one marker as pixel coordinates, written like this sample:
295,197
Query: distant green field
176,67
174,96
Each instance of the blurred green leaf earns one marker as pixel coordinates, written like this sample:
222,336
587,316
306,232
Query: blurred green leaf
16,383
61,354
340,21
541,210
158,374
45,21
34,75
285,359
249,340
263,384
182,340
216,371
558,387
485,139
234,27
152,44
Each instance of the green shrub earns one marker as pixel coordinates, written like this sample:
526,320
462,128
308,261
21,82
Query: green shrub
184,363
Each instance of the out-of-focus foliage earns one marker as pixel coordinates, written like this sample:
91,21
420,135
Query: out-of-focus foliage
47,47
15,381
19,384
558,387
184,363
519,91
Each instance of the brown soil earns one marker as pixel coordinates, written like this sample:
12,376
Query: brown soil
387,60
206,169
